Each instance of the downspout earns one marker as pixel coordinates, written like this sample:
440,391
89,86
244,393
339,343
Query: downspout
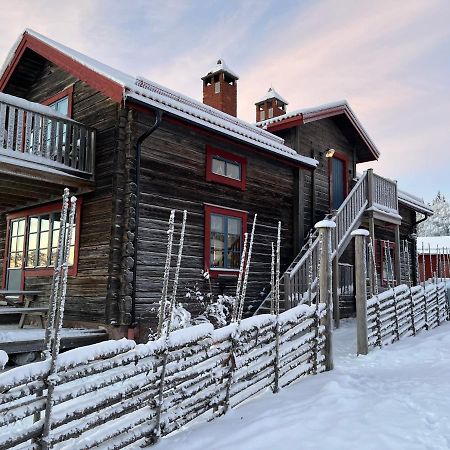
140,140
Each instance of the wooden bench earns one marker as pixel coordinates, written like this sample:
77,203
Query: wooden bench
15,307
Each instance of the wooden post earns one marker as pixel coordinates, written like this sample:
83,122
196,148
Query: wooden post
397,269
336,312
361,291
325,285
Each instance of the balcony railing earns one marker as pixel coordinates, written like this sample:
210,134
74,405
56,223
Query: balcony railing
46,137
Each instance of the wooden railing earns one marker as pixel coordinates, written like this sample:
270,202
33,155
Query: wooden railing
45,137
384,193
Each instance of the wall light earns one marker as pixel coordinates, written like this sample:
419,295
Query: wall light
330,153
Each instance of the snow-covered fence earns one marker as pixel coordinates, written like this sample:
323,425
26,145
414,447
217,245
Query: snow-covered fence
109,395
404,311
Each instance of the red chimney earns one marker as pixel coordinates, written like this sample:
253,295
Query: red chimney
220,88
271,105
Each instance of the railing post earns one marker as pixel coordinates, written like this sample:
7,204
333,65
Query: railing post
325,285
370,186
361,291
287,291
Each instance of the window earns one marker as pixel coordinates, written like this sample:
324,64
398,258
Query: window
32,242
225,168
224,230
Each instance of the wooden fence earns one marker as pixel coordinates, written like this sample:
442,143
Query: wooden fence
109,395
403,311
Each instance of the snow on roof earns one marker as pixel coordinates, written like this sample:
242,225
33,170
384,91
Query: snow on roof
414,202
432,244
272,93
153,94
312,113
219,67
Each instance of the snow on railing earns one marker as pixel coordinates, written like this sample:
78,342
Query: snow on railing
404,311
106,395
46,136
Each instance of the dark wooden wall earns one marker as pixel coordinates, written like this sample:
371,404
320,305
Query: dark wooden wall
98,265
313,140
173,177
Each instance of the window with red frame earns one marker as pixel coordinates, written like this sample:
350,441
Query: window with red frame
386,261
224,230
225,168
32,241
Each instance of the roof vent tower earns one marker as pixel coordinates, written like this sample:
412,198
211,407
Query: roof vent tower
220,88
271,105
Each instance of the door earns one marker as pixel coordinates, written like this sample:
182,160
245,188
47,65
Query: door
338,182
16,255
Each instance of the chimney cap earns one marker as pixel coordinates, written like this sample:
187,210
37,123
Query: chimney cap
271,94
221,66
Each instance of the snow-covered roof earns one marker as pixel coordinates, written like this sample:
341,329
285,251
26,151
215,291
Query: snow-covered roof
153,94
272,93
322,111
221,66
433,244
414,202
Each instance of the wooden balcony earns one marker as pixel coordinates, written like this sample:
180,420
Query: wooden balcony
41,152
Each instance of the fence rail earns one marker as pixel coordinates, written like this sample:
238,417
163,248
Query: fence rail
107,395
45,137
404,311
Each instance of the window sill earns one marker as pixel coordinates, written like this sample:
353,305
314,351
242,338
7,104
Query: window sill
223,273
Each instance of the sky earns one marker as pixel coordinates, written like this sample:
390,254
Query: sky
389,59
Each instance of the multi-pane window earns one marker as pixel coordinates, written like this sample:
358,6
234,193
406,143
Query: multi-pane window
33,238
225,168
225,241
43,239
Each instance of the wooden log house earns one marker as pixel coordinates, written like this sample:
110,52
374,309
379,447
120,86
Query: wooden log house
133,150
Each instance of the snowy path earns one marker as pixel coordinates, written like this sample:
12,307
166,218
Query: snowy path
395,398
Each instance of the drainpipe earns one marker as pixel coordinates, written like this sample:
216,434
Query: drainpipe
140,140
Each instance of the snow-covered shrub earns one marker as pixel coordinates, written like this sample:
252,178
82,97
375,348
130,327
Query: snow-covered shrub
218,313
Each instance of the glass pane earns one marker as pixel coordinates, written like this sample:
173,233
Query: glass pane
218,166
13,246
71,255
43,257
12,260
54,256
19,258
32,241
34,224
55,238
45,223
20,244
234,260
234,226
217,223
15,227
217,250
233,171
31,258
43,240
21,229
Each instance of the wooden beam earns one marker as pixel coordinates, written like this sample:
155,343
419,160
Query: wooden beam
397,267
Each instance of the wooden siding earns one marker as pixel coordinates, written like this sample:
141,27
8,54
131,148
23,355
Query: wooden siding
313,140
98,265
173,177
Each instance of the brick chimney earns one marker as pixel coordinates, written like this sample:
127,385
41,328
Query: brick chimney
220,88
271,105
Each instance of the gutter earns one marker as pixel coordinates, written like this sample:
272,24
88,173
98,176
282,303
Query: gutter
140,140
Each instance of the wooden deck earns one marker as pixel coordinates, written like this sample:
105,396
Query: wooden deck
15,340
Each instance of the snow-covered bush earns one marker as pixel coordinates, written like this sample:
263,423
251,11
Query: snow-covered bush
218,313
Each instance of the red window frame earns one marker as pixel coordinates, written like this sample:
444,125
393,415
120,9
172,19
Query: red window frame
68,92
214,177
380,246
213,209
41,271
343,157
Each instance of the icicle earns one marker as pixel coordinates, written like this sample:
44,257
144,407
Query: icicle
247,269
162,304
177,274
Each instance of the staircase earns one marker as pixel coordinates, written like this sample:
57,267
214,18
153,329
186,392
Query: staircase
299,282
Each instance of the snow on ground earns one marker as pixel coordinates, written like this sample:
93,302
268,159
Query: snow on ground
394,398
